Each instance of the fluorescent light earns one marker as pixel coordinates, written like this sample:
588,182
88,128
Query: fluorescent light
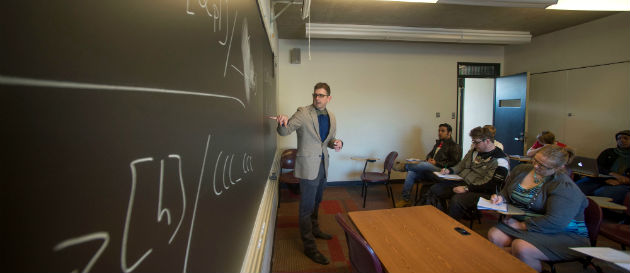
395,33
601,5
415,1
502,3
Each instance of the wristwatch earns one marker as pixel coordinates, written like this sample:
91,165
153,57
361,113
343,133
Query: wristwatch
466,188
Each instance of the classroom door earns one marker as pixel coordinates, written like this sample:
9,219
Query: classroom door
509,112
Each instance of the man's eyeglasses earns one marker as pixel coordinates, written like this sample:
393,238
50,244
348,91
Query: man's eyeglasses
477,141
536,162
319,95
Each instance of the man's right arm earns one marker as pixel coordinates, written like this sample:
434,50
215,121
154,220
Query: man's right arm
291,125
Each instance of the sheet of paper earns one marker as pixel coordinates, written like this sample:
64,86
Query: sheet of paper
448,176
605,253
487,205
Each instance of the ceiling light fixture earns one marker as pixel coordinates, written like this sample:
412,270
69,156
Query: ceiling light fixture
415,34
600,5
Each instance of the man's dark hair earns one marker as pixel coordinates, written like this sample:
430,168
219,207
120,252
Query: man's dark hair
482,133
447,126
322,85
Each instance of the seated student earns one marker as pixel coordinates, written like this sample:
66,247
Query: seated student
493,130
614,162
483,169
554,206
544,138
445,153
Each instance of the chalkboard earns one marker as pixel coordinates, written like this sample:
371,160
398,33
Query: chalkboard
134,137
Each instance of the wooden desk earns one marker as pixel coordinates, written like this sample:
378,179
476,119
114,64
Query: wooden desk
365,158
520,158
423,239
605,203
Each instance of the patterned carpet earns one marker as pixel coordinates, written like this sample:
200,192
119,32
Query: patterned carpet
288,250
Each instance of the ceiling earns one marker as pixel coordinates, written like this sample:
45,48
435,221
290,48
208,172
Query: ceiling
537,21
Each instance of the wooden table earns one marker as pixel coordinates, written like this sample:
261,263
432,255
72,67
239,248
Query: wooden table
605,202
423,239
520,158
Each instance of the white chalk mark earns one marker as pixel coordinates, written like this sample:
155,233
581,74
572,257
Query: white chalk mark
205,6
244,155
227,21
102,235
188,8
227,58
10,80
249,77
123,255
234,67
161,212
214,177
192,221
181,184
225,165
230,170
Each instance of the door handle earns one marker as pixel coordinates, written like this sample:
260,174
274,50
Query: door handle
518,139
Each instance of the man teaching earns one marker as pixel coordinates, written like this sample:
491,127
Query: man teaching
315,127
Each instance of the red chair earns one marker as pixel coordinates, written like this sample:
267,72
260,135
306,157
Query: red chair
362,257
287,166
618,233
374,177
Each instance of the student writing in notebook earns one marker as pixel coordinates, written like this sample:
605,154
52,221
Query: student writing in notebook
554,208
483,170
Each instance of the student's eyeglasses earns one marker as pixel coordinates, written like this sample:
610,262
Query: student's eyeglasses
477,141
536,162
315,95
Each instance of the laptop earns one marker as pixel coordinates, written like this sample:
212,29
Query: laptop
586,166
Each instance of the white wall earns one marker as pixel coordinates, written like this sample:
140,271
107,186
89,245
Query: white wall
384,94
478,107
591,85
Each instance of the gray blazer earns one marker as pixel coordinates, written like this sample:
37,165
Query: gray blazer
310,146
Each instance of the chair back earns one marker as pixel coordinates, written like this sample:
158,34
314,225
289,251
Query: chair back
287,159
593,219
389,162
362,256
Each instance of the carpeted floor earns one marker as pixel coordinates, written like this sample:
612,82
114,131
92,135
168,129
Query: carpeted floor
288,251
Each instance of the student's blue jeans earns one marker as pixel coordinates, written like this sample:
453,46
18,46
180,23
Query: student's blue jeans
311,192
416,172
597,187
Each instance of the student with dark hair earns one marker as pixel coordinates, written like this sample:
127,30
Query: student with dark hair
554,207
445,153
544,138
483,170
616,163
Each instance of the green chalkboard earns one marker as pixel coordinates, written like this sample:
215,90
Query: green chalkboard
134,137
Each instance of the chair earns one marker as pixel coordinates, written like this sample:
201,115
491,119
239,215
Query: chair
593,220
287,162
373,177
362,257
618,233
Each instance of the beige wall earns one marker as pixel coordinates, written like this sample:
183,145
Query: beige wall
592,86
384,94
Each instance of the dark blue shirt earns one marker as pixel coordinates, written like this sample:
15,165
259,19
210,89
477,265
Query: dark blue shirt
324,123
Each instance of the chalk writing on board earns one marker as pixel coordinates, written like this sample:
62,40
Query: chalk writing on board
101,235
223,166
10,80
218,15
